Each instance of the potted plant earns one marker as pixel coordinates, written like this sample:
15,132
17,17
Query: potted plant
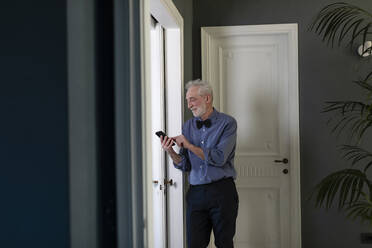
350,188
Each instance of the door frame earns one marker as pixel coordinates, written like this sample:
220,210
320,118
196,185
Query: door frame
208,34
168,16
83,186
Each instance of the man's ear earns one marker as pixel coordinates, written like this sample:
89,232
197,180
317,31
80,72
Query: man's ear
209,98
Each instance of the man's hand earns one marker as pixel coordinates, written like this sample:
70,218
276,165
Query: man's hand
166,143
182,141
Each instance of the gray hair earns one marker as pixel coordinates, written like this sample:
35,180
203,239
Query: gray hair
204,87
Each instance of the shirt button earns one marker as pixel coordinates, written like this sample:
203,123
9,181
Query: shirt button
200,166
203,129
202,142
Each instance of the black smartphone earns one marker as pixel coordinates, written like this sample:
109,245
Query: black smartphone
161,133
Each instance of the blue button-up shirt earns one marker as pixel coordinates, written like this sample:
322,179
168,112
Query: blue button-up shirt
218,143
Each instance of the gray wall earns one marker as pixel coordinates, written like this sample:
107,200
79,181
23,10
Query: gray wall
185,7
34,210
325,74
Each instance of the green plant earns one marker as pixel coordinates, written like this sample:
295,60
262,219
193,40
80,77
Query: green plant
350,188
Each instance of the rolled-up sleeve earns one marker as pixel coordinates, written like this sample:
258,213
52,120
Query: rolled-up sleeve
218,155
184,165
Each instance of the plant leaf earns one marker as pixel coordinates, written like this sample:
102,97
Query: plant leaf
347,184
338,20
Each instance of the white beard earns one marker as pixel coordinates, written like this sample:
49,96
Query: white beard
200,111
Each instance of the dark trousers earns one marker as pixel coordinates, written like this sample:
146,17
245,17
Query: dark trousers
212,206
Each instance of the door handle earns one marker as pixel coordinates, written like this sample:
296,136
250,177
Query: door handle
170,182
284,161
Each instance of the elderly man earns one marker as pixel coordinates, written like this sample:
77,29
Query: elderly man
207,151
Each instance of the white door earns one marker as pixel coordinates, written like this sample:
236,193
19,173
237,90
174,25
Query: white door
253,70
163,108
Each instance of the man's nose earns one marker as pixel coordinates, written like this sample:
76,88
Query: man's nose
189,105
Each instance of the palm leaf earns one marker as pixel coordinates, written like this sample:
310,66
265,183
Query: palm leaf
357,116
364,83
357,155
342,20
347,184
353,114
361,209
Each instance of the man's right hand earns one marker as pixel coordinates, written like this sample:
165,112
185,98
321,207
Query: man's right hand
166,143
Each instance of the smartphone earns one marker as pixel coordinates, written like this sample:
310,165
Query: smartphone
161,133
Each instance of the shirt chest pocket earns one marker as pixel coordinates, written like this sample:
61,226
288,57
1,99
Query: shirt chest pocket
195,139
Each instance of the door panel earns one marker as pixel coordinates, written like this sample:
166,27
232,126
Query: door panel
249,70
158,123
260,218
174,100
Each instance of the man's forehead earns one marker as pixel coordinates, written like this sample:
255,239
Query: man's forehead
192,91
